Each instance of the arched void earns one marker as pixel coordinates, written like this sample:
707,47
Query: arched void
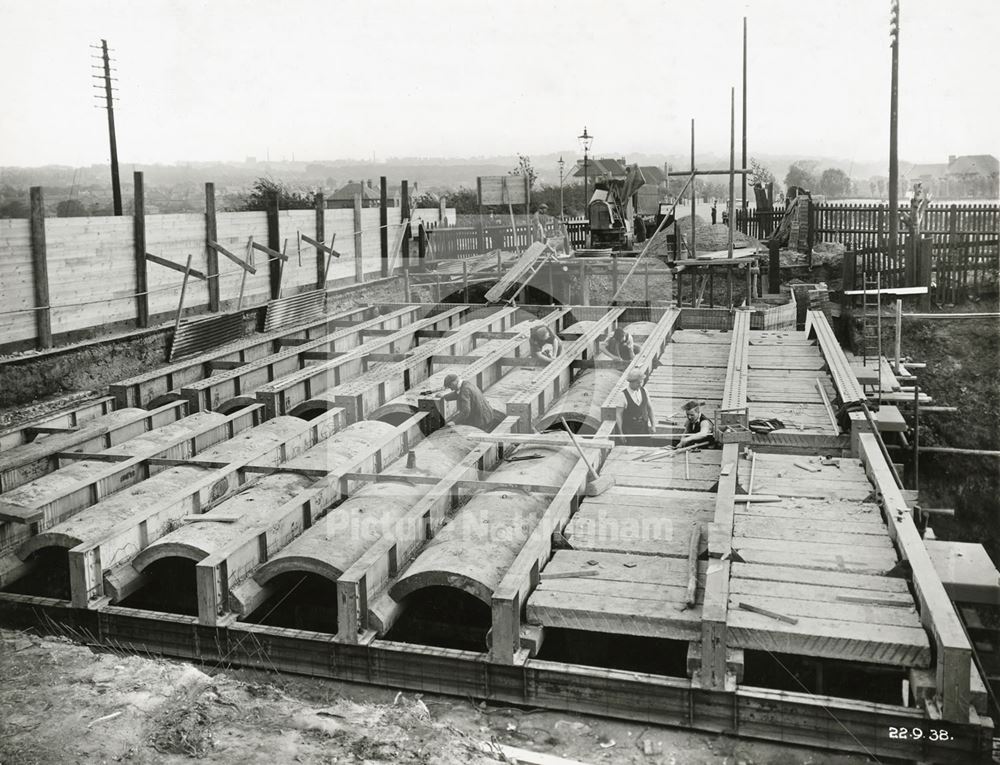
393,413
47,574
170,587
235,404
301,600
311,409
445,617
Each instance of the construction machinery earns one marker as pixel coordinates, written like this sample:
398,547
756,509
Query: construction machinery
611,210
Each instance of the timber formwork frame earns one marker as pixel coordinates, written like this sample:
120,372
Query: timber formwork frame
381,356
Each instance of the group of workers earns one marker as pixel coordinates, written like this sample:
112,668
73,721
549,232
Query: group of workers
636,421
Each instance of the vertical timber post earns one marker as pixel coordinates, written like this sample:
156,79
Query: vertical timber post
274,242
404,214
383,223
139,238
359,266
925,252
320,237
40,275
744,165
212,235
774,267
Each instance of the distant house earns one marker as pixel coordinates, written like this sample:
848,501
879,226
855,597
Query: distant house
603,167
968,176
344,196
370,194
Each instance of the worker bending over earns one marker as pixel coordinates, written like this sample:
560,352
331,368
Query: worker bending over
544,344
473,408
636,418
621,345
698,429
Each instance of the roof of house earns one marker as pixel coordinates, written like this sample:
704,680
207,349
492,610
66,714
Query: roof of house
600,166
653,174
928,170
974,164
348,190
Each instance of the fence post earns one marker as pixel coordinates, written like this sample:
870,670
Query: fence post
383,222
847,281
274,242
139,238
949,279
359,266
43,316
404,210
810,230
211,235
442,211
774,267
926,249
320,237
421,242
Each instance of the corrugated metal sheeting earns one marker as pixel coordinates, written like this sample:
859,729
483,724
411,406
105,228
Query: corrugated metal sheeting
200,335
295,309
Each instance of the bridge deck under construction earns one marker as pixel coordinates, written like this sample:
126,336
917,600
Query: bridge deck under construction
299,501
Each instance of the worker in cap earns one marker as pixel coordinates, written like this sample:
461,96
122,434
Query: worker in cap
540,223
473,408
697,427
621,345
544,343
636,418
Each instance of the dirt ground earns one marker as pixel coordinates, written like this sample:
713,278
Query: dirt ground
62,702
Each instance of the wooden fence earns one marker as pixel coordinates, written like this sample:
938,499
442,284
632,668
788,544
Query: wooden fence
460,242
65,279
961,241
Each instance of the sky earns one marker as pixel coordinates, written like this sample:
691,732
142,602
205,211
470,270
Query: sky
328,79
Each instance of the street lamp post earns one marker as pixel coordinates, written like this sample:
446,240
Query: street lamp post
585,143
562,165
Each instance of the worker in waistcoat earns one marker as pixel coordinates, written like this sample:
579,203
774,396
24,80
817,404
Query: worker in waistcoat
698,429
636,417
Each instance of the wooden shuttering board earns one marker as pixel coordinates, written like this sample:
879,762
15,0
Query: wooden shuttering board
848,387
69,418
91,263
174,237
139,390
822,562
516,272
16,291
654,524
233,231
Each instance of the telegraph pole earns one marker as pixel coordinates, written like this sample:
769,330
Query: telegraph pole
744,165
116,188
893,127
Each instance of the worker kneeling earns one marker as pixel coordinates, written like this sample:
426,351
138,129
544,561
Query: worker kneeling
473,408
698,429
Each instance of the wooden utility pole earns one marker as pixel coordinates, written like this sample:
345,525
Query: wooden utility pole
116,187
139,240
694,193
744,117
732,170
893,126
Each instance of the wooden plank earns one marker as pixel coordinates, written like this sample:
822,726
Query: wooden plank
139,240
212,257
953,651
591,612
67,419
175,266
831,639
40,269
215,246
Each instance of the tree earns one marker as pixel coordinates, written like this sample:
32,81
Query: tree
801,174
524,167
287,199
759,174
835,183
14,208
70,208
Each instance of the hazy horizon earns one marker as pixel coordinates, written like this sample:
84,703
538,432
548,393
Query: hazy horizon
223,81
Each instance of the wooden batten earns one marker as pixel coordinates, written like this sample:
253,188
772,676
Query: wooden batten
40,269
